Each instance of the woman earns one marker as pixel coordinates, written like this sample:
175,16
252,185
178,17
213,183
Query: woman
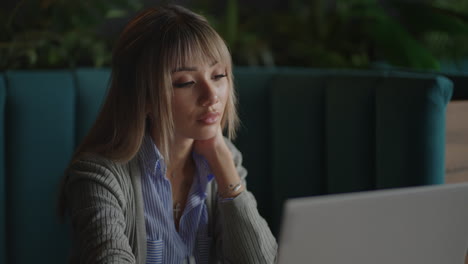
155,181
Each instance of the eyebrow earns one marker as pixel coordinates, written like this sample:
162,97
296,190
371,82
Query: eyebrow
184,68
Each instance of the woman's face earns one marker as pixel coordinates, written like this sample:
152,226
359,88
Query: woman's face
200,95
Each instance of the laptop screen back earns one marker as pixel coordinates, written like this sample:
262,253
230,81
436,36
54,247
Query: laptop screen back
410,225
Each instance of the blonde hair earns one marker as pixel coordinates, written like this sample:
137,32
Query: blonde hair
152,44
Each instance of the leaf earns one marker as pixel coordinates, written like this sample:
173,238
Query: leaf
31,54
232,23
398,47
116,13
423,18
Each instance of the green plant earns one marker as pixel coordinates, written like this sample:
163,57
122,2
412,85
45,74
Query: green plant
347,33
58,33
308,33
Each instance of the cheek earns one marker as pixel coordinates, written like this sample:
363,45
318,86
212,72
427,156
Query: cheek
224,95
181,106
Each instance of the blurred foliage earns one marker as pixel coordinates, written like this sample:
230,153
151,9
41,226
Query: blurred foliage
416,34
58,33
346,33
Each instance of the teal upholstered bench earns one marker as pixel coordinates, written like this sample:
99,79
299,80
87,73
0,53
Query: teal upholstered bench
304,132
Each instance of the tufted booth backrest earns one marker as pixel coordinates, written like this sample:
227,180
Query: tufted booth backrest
304,132
40,138
335,133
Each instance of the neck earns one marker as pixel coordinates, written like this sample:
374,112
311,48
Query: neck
180,157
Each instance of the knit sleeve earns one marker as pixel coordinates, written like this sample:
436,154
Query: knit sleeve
96,204
242,235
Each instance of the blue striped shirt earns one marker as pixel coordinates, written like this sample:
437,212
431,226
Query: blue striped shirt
164,243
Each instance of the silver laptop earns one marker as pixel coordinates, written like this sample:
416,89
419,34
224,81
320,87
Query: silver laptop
418,225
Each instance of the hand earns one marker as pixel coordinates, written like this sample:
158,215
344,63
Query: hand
219,157
213,149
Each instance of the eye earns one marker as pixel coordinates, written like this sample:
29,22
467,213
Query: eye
182,85
219,76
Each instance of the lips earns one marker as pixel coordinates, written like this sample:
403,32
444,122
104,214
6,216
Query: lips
209,118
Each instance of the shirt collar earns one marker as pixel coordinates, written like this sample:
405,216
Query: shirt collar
203,171
153,161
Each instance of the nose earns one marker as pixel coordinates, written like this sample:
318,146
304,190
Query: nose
208,96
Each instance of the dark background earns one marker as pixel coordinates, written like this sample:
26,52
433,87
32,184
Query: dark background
405,34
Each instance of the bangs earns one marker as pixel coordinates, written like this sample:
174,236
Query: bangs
191,45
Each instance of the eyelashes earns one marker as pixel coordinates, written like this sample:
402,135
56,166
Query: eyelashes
219,76
182,85
216,77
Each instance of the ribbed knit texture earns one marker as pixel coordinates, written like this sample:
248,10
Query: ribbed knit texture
105,203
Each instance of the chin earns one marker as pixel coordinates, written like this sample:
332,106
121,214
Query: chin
205,134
